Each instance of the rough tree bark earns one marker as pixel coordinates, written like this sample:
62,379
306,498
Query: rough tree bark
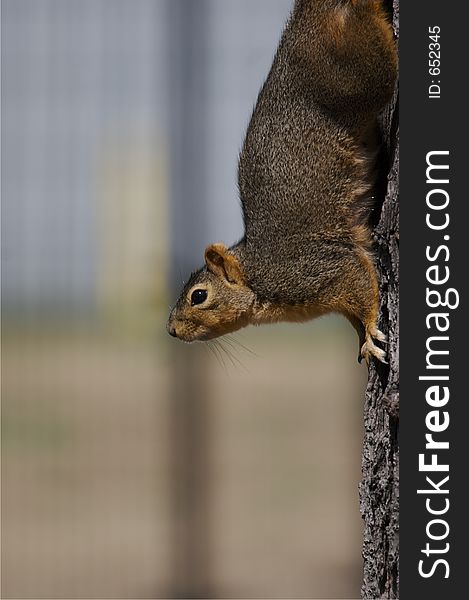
379,488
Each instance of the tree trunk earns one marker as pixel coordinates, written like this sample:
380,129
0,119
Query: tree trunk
379,489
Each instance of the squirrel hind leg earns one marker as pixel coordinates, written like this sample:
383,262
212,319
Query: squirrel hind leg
350,63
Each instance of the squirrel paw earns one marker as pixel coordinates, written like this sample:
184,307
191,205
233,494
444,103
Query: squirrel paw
370,349
379,335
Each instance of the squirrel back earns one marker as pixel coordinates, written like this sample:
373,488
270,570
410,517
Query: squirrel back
306,175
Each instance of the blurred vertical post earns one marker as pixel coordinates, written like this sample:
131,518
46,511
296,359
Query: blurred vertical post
190,431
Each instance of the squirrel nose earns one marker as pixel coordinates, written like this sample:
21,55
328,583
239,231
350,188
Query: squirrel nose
171,329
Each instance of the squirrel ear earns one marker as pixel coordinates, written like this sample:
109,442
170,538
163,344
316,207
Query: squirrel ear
221,262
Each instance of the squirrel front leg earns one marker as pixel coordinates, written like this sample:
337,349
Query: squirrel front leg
366,345
360,304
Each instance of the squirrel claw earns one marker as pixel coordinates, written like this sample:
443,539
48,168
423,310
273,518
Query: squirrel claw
379,335
370,349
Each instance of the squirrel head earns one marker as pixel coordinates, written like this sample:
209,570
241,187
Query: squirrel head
216,299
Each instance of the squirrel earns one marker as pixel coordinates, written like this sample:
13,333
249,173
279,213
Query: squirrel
306,175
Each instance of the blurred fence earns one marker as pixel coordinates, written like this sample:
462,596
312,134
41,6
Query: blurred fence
134,466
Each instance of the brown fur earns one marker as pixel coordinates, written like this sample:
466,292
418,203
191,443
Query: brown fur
306,174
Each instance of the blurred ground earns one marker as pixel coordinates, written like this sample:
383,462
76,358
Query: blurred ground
86,465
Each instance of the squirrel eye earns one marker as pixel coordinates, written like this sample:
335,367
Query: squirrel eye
198,296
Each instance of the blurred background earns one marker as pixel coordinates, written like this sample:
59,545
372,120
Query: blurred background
134,466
